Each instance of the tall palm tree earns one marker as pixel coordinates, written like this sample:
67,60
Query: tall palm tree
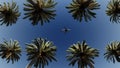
113,10
113,52
10,50
9,13
39,11
81,54
83,9
40,52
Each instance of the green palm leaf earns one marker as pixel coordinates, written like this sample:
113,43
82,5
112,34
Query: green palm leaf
83,9
9,13
39,11
10,51
40,52
112,52
81,54
113,10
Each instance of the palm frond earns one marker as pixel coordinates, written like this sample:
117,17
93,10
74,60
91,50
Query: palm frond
83,9
112,52
39,11
10,51
82,54
41,52
113,11
9,13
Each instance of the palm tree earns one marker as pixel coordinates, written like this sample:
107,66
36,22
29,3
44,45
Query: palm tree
81,54
9,13
40,52
39,10
83,9
113,10
11,51
113,52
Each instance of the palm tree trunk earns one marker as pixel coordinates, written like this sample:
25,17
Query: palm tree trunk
82,65
39,66
42,65
79,65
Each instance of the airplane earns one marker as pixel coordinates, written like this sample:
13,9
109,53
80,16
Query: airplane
65,29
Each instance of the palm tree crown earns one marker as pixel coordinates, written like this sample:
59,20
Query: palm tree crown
113,52
81,54
113,10
39,10
83,9
9,13
40,52
10,51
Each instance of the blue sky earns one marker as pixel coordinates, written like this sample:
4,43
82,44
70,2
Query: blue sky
98,33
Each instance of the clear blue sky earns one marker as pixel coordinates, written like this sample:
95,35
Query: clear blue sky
97,33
